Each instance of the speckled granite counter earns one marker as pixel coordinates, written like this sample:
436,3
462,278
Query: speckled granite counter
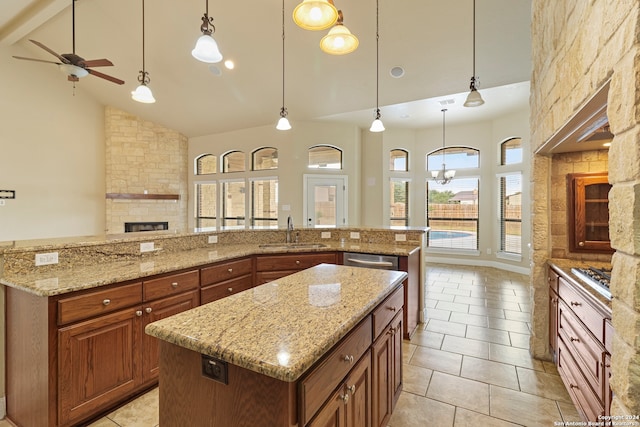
563,266
281,328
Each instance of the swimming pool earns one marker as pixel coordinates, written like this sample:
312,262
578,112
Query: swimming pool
441,234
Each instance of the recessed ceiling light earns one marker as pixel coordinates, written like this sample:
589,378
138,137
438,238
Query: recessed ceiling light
229,64
445,102
396,72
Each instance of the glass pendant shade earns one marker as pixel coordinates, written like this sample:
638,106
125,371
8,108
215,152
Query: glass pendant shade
315,15
143,94
339,41
206,50
474,99
73,70
283,124
377,126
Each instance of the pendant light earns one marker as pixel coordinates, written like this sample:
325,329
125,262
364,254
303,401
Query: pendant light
143,93
206,49
376,125
474,99
315,14
339,40
443,176
283,123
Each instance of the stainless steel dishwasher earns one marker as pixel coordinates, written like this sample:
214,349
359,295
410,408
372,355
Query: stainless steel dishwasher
382,262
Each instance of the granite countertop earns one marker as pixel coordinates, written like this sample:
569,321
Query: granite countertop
61,280
564,266
281,328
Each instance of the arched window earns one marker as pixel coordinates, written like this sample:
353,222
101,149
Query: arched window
325,157
206,164
233,161
399,160
511,151
264,158
454,158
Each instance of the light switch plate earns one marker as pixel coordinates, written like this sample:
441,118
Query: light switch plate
401,237
325,235
213,239
354,235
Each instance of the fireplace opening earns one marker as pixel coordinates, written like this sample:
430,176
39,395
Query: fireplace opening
134,227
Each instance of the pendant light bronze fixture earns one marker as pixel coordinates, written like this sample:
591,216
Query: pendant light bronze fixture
206,49
283,122
143,93
474,99
443,176
315,15
339,40
376,125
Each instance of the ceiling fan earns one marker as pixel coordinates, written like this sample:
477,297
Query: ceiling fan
72,65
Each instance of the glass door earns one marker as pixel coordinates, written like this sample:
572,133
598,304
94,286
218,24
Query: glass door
325,198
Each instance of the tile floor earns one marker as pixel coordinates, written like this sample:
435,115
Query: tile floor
468,365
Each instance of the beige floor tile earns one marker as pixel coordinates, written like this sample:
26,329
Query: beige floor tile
407,351
505,305
569,412
490,372
489,335
469,319
443,327
427,338
486,311
509,325
142,412
457,391
517,315
453,306
456,291
437,360
480,302
541,384
417,411
102,422
523,408
466,346
519,340
415,379
466,418
435,313
514,356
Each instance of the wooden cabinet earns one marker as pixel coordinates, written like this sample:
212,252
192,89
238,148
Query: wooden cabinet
226,278
588,204
582,346
272,267
552,280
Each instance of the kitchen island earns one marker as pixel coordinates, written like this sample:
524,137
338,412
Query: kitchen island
321,344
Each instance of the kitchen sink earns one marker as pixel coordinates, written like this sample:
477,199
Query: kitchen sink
292,245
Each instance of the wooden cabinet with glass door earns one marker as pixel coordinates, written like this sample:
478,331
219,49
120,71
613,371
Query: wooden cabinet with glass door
588,205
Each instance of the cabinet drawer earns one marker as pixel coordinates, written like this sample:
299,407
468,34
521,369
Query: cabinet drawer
334,367
586,350
98,302
294,261
383,314
170,285
263,277
225,271
581,394
226,288
552,278
583,309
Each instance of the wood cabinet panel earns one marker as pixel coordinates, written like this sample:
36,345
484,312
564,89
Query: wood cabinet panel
358,388
318,384
386,311
226,288
333,413
412,264
588,206
583,309
386,371
172,284
225,271
263,277
293,261
98,302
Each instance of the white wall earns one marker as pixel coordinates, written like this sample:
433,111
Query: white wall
51,153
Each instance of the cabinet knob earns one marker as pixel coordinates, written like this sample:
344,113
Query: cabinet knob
148,309
230,270
138,313
297,262
174,285
393,308
106,302
348,358
581,244
230,289
352,389
345,398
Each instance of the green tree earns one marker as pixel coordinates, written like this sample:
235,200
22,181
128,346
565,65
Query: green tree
436,196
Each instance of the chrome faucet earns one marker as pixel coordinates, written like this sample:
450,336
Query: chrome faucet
289,228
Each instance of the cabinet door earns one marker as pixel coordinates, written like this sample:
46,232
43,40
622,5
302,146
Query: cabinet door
382,355
333,413
589,212
157,310
358,388
98,363
396,359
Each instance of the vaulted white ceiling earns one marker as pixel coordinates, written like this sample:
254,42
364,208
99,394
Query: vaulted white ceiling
430,39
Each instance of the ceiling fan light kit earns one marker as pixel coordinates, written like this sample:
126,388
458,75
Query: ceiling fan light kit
206,49
283,122
315,15
339,40
143,93
474,99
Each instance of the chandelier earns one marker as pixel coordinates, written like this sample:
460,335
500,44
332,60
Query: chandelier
443,176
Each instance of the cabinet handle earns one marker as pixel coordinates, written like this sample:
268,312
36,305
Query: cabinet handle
106,302
230,289
348,358
174,285
138,313
581,244
345,398
574,339
394,308
148,309
574,386
230,270
352,389
576,303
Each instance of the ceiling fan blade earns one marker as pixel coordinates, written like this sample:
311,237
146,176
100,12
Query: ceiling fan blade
37,60
61,58
97,63
72,78
104,76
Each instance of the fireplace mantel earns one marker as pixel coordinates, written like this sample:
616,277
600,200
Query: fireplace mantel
138,196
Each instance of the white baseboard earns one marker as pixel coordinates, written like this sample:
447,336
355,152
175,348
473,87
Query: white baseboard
479,263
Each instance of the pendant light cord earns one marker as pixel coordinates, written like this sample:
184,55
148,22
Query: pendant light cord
474,39
283,55
143,64
73,25
378,59
444,110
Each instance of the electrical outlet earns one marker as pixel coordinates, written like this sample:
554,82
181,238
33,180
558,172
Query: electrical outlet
2,202
325,235
401,237
147,247
354,235
47,259
213,239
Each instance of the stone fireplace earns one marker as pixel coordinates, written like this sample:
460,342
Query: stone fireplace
577,48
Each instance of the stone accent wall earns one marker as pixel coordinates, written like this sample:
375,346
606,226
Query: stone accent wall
561,165
577,47
144,157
